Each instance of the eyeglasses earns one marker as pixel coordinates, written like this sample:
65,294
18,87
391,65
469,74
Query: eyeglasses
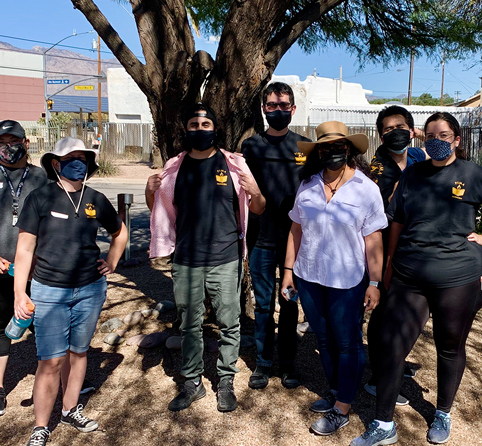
272,106
444,136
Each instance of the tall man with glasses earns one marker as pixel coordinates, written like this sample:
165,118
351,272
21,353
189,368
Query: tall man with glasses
275,161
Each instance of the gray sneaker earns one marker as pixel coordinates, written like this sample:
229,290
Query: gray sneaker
439,431
372,390
325,404
330,423
374,436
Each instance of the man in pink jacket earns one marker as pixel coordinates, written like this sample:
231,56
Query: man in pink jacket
200,205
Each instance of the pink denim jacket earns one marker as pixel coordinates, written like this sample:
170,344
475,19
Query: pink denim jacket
164,212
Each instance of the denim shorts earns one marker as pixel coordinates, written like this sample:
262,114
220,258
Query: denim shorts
65,318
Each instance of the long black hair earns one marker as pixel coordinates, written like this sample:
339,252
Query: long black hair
315,164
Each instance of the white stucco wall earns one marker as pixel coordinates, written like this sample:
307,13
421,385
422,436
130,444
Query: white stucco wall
127,103
16,63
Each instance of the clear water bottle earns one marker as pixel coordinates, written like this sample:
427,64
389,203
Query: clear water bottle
290,293
16,327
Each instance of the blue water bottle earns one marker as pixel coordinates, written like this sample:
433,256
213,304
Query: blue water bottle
16,327
11,268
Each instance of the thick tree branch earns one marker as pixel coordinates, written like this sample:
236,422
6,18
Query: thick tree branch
109,35
291,31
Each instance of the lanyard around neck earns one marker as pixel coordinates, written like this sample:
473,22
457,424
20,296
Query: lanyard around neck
15,194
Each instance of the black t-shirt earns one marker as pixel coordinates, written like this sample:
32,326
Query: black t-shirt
66,248
437,207
387,172
36,178
206,224
275,163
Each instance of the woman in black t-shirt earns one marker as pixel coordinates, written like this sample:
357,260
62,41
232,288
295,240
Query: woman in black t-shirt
433,267
59,224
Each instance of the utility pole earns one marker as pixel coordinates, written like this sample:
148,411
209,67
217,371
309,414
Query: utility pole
457,96
99,91
410,79
443,72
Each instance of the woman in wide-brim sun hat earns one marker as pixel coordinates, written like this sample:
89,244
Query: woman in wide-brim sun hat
334,259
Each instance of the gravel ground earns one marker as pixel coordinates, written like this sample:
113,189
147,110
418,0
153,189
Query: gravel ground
135,385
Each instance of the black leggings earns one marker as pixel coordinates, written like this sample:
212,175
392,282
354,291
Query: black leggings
404,314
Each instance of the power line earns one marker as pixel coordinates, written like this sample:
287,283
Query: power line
64,46
48,71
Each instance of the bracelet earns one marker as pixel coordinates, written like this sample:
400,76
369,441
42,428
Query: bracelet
285,267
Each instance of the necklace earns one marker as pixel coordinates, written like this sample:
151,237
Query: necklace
328,183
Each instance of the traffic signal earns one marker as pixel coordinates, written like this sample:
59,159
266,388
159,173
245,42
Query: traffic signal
50,103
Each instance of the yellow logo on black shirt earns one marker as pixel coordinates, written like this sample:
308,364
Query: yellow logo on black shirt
221,178
300,158
90,211
458,191
376,168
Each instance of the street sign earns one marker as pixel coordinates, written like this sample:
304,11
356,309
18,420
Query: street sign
58,81
84,87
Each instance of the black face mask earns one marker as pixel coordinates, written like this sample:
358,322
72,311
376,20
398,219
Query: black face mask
200,139
397,140
334,160
279,119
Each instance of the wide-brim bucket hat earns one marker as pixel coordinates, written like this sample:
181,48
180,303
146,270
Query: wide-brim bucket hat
64,147
334,131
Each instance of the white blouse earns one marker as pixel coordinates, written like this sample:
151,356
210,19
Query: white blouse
332,249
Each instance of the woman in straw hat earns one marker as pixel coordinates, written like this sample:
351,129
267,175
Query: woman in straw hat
58,225
335,252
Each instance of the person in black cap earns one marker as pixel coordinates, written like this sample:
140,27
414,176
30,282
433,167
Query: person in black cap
200,205
17,179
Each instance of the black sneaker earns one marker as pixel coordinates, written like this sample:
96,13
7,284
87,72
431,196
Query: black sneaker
39,437
3,401
77,420
259,379
226,397
87,387
290,379
191,391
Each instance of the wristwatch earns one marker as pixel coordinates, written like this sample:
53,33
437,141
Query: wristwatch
374,283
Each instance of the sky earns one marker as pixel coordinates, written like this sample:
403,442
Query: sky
42,22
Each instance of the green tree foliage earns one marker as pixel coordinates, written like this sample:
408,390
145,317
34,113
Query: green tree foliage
253,37
57,120
423,99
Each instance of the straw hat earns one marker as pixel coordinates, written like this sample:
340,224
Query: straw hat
334,131
64,147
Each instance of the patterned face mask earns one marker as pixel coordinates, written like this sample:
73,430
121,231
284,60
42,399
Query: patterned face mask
437,149
12,154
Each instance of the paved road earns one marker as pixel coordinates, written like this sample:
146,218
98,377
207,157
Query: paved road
140,234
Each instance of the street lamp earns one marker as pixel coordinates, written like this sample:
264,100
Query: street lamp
47,114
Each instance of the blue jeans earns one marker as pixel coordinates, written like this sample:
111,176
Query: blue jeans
262,265
65,318
334,315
